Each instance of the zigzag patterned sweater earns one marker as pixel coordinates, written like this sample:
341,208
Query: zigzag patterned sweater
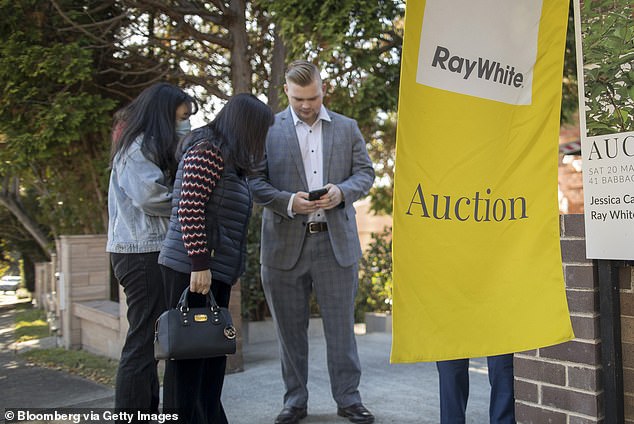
202,167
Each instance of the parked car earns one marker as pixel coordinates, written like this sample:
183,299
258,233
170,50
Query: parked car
10,283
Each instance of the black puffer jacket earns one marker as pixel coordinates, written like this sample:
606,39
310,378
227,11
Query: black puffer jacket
227,216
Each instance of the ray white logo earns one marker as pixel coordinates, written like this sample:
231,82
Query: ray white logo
484,68
484,49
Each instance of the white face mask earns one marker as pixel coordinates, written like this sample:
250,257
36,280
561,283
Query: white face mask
183,128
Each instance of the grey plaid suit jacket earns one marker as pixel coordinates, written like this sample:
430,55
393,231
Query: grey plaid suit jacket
346,164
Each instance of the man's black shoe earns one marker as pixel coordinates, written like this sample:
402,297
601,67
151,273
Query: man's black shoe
356,413
290,415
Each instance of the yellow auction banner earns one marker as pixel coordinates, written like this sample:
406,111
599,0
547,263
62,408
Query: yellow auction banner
476,256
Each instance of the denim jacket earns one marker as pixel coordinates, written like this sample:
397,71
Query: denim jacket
139,203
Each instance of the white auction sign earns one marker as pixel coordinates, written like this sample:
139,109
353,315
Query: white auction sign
608,175
608,191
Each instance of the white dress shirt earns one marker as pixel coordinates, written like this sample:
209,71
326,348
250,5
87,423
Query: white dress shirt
310,145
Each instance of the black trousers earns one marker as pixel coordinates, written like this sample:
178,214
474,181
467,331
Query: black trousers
192,388
137,386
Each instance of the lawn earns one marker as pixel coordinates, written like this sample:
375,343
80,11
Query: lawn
30,324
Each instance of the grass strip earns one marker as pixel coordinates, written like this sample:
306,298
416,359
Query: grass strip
30,323
78,362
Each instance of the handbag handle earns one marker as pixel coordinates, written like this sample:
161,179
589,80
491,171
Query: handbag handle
183,304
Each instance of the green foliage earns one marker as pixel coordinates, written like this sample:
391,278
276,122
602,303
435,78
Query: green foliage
608,54
65,66
375,276
54,121
358,45
570,97
254,306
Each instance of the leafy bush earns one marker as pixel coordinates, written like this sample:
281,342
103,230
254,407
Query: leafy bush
375,276
254,306
608,54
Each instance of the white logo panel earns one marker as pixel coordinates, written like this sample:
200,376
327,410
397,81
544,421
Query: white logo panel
484,48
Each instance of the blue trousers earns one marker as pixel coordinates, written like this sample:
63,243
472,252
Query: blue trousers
454,390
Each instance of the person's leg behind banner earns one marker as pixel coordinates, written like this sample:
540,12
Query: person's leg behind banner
453,377
502,404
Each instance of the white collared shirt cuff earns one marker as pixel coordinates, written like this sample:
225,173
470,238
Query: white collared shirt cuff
289,208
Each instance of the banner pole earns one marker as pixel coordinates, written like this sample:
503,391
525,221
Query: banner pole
611,352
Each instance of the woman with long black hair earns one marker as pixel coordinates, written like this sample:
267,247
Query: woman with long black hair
205,246
143,165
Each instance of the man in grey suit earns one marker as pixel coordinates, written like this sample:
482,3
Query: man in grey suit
313,244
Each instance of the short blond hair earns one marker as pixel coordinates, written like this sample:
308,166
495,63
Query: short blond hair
302,73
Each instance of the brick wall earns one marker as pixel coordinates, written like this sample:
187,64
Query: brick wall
626,280
562,384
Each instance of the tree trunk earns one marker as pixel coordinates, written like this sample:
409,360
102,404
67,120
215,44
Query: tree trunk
278,65
240,66
9,202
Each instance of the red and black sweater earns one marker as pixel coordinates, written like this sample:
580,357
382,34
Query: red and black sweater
202,167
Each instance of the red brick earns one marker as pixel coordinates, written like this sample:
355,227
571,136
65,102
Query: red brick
583,301
627,303
546,372
584,378
628,380
625,277
582,420
627,329
585,327
573,351
628,355
568,400
573,225
628,407
529,414
574,251
581,277
526,391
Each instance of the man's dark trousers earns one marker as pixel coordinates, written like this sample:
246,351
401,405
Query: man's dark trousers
454,390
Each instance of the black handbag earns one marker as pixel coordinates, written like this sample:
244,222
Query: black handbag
194,333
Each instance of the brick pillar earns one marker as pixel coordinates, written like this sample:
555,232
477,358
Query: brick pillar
562,384
235,363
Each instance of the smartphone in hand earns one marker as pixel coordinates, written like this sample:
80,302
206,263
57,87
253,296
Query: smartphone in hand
316,194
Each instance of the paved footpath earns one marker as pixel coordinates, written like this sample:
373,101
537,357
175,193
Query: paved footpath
395,393
26,386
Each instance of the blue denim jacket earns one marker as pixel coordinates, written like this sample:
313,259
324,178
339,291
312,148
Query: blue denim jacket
139,203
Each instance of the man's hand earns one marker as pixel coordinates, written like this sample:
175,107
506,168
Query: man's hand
301,204
330,200
200,281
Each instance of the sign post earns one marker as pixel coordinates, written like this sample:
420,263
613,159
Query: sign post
605,61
